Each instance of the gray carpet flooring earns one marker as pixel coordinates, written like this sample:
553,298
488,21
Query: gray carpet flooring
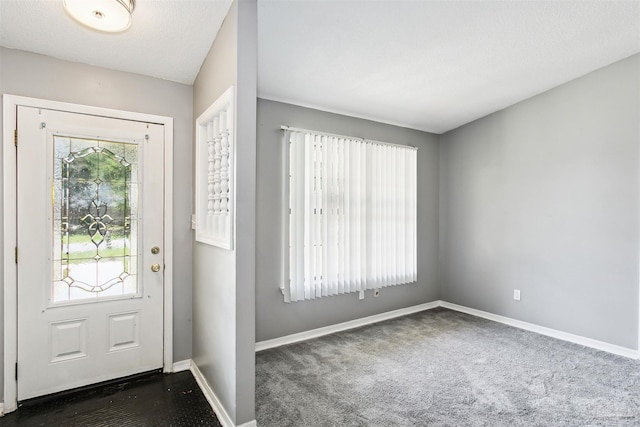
444,368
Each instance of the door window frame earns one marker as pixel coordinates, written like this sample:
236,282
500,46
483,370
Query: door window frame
10,326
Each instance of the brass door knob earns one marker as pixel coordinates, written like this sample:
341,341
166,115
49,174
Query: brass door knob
155,250
155,267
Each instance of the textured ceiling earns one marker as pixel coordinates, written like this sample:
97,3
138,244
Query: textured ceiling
434,65
429,65
168,39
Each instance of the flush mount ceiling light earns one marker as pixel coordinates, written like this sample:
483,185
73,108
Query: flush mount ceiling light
110,16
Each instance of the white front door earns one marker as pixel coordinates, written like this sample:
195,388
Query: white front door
90,249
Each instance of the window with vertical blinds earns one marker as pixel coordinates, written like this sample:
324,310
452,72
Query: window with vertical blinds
352,215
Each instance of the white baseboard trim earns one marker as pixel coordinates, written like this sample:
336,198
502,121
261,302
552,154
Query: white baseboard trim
213,400
183,365
339,327
542,330
211,397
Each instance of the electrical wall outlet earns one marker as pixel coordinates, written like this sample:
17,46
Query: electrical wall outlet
376,292
516,294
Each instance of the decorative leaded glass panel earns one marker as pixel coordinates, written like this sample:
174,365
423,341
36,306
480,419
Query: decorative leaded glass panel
94,219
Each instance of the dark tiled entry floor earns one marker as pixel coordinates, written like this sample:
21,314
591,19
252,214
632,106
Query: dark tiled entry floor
153,400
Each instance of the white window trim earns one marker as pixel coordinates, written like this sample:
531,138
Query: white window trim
215,164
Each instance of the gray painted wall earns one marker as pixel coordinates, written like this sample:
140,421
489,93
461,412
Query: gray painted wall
246,209
274,317
543,197
224,281
214,279
38,76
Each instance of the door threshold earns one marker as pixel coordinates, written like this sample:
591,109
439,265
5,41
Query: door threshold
88,391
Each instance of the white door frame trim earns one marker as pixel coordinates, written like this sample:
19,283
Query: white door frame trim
10,104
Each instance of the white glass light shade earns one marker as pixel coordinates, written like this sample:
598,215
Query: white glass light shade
110,16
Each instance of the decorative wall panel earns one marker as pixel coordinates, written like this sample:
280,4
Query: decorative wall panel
214,172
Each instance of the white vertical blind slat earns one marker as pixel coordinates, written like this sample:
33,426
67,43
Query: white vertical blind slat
330,240
324,214
342,237
297,229
376,243
392,217
332,214
402,212
414,214
357,233
369,218
364,215
309,232
294,223
317,273
385,223
379,245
